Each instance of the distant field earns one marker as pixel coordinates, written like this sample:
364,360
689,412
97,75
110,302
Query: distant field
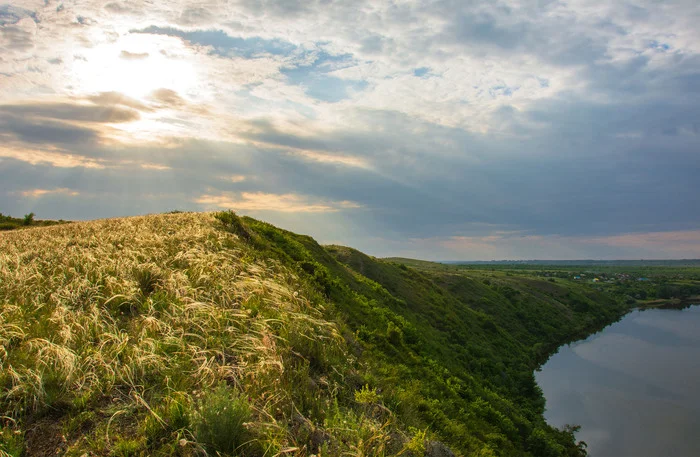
644,283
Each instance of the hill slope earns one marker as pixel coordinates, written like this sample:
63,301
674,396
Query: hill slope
196,334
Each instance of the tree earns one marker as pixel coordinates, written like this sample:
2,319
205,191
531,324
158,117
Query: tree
28,219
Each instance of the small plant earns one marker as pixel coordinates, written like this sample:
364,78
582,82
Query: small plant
127,448
416,445
169,422
28,219
367,396
11,439
220,423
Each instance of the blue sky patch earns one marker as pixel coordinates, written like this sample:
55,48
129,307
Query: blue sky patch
662,47
224,44
318,83
421,72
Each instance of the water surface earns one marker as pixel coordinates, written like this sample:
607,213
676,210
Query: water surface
634,387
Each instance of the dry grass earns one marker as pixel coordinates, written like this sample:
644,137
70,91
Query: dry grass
125,330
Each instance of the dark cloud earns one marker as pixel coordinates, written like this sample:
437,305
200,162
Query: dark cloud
280,8
45,131
17,38
569,183
168,98
117,8
64,123
13,14
195,16
108,99
72,112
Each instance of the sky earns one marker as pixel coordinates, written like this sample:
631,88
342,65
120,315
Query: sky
434,129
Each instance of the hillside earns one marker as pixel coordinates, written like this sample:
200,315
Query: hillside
194,334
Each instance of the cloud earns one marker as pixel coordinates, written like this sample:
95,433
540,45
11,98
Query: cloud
72,112
168,97
16,38
133,55
37,131
10,14
234,178
36,193
107,99
286,203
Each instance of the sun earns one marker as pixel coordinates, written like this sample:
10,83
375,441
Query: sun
135,65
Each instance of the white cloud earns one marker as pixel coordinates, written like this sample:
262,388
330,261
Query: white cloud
285,203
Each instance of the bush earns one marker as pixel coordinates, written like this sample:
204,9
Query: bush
233,224
28,219
220,423
367,396
8,226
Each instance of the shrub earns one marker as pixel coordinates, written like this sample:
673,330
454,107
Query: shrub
28,219
220,423
367,396
416,444
233,224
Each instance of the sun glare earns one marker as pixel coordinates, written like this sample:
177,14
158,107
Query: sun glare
135,65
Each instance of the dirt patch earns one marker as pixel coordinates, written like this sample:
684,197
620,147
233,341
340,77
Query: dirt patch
45,438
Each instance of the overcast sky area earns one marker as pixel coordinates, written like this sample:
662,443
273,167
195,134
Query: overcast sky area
440,129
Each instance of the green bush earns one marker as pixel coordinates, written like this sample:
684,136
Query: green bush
220,422
233,224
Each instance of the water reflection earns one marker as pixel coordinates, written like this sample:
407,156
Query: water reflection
632,387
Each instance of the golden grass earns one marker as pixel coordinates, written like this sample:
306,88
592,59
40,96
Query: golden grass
128,317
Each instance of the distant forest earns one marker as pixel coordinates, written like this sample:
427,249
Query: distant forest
600,263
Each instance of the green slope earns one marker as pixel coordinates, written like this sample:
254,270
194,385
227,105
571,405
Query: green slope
451,351
190,334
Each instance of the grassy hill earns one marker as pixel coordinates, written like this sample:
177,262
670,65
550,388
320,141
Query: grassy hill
210,334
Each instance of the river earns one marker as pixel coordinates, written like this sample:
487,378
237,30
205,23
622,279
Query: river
634,387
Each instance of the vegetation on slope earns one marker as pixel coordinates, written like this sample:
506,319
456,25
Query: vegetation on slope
13,223
189,334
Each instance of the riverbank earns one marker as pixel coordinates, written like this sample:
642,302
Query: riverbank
673,303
